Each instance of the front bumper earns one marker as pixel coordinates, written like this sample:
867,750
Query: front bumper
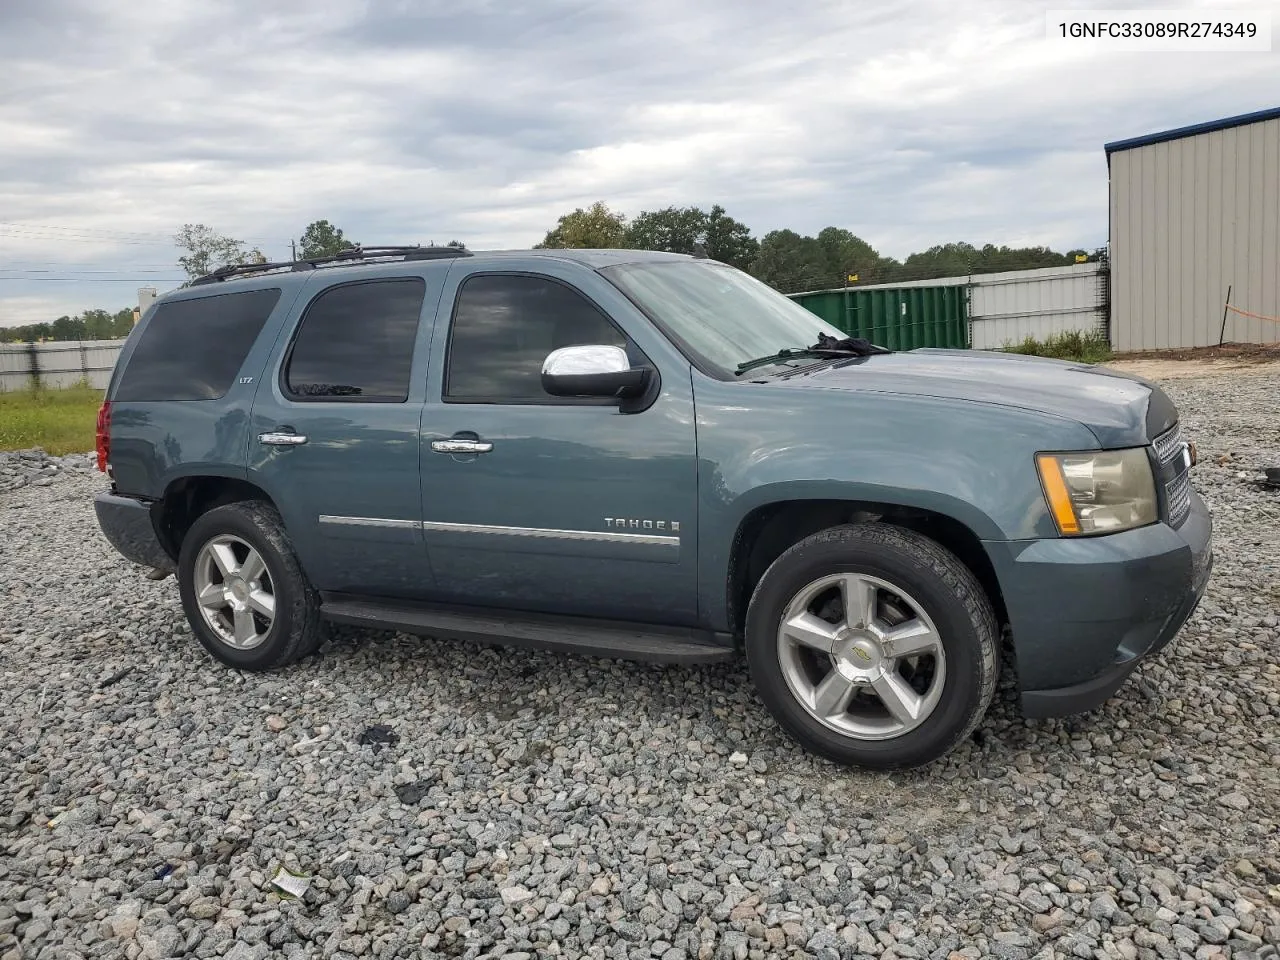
1085,612
127,525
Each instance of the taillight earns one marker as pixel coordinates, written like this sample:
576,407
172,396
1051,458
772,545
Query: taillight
103,436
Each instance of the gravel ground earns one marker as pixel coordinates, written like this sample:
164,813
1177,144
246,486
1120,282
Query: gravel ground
540,805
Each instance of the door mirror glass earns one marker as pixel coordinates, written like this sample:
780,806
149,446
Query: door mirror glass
592,370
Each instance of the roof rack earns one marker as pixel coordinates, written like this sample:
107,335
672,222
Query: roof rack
356,254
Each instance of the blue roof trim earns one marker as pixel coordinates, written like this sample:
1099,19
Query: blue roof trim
1180,132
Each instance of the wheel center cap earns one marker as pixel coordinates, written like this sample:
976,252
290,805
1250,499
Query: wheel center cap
239,590
866,651
857,655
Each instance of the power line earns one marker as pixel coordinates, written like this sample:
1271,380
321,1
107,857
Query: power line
45,234
86,279
29,237
54,266
58,228
28,271
127,235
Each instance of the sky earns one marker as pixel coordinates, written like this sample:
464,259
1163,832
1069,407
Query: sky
407,121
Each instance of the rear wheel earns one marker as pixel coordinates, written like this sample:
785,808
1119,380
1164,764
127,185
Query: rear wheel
873,645
243,590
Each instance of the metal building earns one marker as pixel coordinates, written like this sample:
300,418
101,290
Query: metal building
1195,214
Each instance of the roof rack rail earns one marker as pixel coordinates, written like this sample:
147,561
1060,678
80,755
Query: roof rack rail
356,254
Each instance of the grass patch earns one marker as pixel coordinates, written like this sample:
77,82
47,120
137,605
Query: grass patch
60,421
1090,347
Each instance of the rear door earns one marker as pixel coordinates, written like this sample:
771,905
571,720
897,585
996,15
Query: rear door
335,426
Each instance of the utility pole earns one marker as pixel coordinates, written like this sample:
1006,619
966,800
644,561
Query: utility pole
293,251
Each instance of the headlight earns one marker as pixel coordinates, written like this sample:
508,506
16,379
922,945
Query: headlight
1101,491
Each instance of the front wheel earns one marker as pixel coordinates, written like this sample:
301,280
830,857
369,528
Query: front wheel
873,646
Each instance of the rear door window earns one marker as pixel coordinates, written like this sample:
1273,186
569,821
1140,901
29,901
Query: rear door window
355,342
193,349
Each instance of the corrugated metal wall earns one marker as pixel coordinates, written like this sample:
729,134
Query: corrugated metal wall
906,319
1190,217
1006,308
894,317
58,364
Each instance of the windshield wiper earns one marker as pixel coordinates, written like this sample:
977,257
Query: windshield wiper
786,353
826,347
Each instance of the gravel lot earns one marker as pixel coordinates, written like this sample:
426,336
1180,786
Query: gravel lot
540,805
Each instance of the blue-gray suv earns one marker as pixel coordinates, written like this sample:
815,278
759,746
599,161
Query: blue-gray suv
649,456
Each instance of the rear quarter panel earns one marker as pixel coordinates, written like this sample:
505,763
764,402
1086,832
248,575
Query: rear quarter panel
154,443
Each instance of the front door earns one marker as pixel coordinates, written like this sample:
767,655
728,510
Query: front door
335,434
541,503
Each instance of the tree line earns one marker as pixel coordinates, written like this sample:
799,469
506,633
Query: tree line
90,325
784,259
787,260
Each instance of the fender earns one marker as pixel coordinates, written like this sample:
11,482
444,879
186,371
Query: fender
946,456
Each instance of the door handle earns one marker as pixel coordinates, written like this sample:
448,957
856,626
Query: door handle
282,439
461,446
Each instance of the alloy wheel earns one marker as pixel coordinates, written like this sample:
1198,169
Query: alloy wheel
234,591
861,656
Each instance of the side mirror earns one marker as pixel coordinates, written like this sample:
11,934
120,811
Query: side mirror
593,370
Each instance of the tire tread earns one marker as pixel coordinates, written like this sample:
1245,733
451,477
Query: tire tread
306,633
950,571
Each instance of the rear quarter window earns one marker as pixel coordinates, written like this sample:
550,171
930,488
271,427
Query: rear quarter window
193,349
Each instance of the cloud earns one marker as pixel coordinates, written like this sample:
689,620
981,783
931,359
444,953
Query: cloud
428,121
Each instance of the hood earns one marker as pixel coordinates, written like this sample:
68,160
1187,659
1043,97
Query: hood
1120,410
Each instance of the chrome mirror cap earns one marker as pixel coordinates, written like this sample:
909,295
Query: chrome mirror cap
585,361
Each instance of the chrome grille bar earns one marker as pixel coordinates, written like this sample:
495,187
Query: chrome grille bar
1169,444
1178,493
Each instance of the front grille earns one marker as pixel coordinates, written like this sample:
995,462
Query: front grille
1169,444
1178,495
1174,474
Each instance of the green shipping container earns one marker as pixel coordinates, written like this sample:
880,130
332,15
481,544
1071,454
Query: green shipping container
900,318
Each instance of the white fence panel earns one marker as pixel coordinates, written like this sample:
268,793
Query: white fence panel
16,360
1009,307
58,364
995,333
100,358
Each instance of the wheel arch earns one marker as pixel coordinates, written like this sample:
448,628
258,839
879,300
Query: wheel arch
186,498
769,529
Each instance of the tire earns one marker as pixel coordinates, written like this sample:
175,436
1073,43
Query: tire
293,631
940,692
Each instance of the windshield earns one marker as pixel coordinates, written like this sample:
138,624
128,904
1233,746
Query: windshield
724,316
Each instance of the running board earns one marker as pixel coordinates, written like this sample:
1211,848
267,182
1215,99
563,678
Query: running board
597,638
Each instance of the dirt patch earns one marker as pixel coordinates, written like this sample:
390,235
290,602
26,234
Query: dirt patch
1241,352
1184,369
1230,358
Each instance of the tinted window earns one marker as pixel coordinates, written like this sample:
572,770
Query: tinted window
356,342
503,329
193,349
